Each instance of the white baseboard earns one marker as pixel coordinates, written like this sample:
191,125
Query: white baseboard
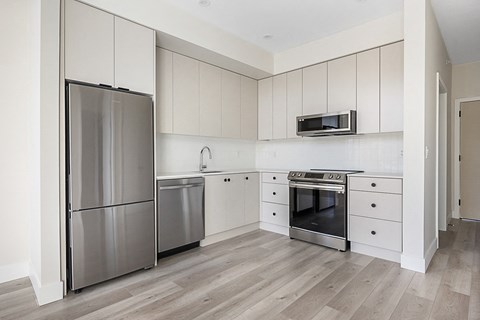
274,228
13,271
228,234
46,293
375,252
420,264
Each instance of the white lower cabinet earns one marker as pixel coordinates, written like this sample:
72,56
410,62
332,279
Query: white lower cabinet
375,215
275,202
231,201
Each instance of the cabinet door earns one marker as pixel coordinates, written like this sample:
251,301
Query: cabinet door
235,210
89,48
294,101
134,60
164,96
215,204
265,104
368,93
315,89
342,84
210,100
279,107
185,95
249,108
252,197
391,88
231,111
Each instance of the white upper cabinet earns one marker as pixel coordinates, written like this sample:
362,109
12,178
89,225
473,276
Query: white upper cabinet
134,56
342,84
231,109
89,44
210,100
315,89
249,108
368,93
279,107
164,107
294,101
391,88
265,105
186,111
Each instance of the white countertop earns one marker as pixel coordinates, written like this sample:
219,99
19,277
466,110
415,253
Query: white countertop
379,175
193,174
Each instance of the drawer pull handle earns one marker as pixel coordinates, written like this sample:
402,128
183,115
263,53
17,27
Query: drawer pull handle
373,184
373,232
246,178
274,214
373,205
274,178
224,180
228,179
274,193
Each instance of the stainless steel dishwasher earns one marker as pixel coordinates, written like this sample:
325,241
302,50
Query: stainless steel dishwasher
181,214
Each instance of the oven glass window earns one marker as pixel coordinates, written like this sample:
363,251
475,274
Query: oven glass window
324,123
318,210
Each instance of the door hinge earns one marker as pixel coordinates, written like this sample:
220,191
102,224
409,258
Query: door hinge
459,202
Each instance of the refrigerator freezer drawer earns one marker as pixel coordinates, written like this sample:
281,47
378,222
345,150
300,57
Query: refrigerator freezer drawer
109,242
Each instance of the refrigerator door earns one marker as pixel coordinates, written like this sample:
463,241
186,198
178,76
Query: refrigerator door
109,242
111,147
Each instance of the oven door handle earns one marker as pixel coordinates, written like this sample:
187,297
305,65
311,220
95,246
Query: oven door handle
317,187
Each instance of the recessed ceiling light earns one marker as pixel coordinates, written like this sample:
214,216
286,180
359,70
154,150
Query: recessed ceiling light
204,3
267,36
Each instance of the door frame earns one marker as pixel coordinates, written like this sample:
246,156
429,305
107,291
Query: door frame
456,140
441,114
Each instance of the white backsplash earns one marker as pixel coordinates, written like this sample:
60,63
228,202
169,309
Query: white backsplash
179,153
373,153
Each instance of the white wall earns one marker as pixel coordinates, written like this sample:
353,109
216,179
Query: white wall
436,61
373,153
19,78
372,34
465,80
178,153
161,16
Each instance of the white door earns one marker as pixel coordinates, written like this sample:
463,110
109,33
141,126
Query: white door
215,204
342,84
368,91
186,111
249,106
470,160
315,89
280,106
252,197
134,56
164,89
231,107
265,103
235,205
294,101
210,96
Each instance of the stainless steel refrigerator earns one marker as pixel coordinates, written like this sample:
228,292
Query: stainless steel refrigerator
110,182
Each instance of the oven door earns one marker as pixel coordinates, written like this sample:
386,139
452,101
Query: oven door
320,208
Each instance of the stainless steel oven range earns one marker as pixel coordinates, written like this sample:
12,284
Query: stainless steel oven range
318,207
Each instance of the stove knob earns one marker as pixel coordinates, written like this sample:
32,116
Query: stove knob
299,174
338,176
330,176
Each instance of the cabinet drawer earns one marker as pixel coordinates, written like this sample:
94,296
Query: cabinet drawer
377,233
275,193
385,206
270,177
376,184
275,214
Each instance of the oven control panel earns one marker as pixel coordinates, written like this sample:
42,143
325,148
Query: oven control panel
312,176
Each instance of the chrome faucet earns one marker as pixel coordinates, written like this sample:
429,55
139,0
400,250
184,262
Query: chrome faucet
204,166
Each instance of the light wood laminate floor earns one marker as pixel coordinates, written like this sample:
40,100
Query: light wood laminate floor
261,275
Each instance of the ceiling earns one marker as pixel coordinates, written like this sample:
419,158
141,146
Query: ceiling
459,22
290,23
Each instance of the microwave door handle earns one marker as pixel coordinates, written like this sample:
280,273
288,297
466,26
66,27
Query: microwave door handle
317,187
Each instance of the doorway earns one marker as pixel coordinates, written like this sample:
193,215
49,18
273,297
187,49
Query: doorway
469,159
442,216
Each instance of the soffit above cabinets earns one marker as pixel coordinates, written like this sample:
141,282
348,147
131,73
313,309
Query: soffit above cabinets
277,25
459,24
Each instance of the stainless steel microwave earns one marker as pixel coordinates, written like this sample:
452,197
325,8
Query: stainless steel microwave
326,124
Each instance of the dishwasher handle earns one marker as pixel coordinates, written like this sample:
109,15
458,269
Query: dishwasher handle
181,186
